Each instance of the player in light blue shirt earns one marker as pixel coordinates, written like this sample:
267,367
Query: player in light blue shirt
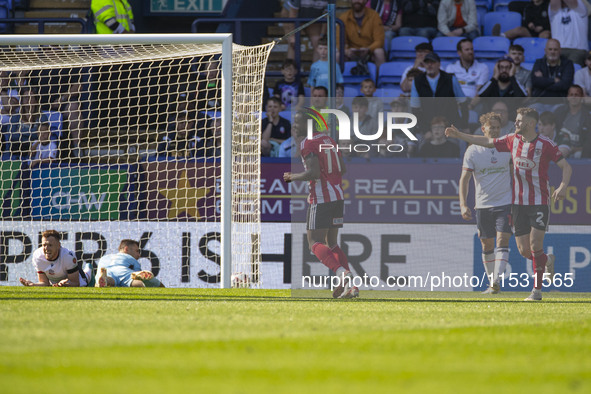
319,70
123,269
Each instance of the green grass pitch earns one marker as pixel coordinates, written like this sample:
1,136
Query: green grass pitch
249,341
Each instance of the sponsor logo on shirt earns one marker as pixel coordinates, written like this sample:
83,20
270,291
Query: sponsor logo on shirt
524,163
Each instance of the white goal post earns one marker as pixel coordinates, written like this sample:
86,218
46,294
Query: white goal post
153,137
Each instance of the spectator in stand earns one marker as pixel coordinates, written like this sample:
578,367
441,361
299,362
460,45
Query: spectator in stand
180,143
70,106
535,22
439,146
574,122
547,126
275,128
399,105
522,75
391,18
421,50
340,99
309,9
374,104
502,109
319,70
419,18
368,125
583,76
458,18
569,24
408,80
471,74
290,89
364,34
44,150
553,74
503,82
435,83
28,124
290,147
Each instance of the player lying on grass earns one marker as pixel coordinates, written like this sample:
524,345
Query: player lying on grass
123,269
323,169
56,265
531,154
491,171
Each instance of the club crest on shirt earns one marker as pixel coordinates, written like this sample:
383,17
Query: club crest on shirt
524,163
538,152
494,160
51,272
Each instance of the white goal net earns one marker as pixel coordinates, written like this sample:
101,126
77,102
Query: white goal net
143,138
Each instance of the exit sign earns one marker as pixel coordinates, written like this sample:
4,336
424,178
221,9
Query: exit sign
187,6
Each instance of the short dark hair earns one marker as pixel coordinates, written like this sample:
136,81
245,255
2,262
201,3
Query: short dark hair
127,243
323,41
440,119
289,62
516,47
529,112
463,40
370,81
51,233
577,87
548,117
360,101
324,89
276,100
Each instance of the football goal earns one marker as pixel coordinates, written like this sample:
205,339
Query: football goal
149,137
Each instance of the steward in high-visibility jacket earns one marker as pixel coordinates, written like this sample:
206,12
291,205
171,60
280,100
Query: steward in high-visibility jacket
112,16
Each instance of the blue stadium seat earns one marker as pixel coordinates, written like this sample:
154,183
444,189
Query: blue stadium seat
577,66
446,47
491,67
480,12
356,79
391,73
503,5
490,47
5,12
388,94
404,47
352,91
527,66
507,20
484,3
533,46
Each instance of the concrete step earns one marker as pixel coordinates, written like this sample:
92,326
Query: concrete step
50,28
72,13
59,4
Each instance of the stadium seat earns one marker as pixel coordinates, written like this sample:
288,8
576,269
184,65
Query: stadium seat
533,46
388,94
446,47
352,91
391,73
5,12
480,12
577,66
356,79
527,66
484,3
491,67
507,20
490,47
404,47
501,7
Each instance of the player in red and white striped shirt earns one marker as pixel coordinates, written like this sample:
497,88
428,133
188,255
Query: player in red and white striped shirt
531,155
323,169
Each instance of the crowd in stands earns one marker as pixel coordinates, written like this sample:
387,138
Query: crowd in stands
548,58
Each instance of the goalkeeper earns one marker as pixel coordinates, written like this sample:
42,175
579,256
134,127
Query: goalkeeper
123,269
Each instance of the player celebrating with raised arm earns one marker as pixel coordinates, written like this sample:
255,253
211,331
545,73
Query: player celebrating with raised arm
323,169
531,155
491,171
56,265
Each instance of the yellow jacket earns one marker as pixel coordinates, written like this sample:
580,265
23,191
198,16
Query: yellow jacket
112,16
369,35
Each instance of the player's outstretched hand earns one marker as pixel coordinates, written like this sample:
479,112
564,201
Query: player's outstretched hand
559,193
466,213
62,283
287,177
452,131
25,282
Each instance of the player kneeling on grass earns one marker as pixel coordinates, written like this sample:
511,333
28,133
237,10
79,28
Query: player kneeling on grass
123,269
491,170
531,154
323,170
56,265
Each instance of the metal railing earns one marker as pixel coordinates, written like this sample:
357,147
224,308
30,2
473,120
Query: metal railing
239,22
41,22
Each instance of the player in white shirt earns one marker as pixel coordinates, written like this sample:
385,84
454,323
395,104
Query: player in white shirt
56,265
491,171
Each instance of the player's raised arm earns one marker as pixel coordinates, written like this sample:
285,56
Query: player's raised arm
312,171
560,192
453,132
